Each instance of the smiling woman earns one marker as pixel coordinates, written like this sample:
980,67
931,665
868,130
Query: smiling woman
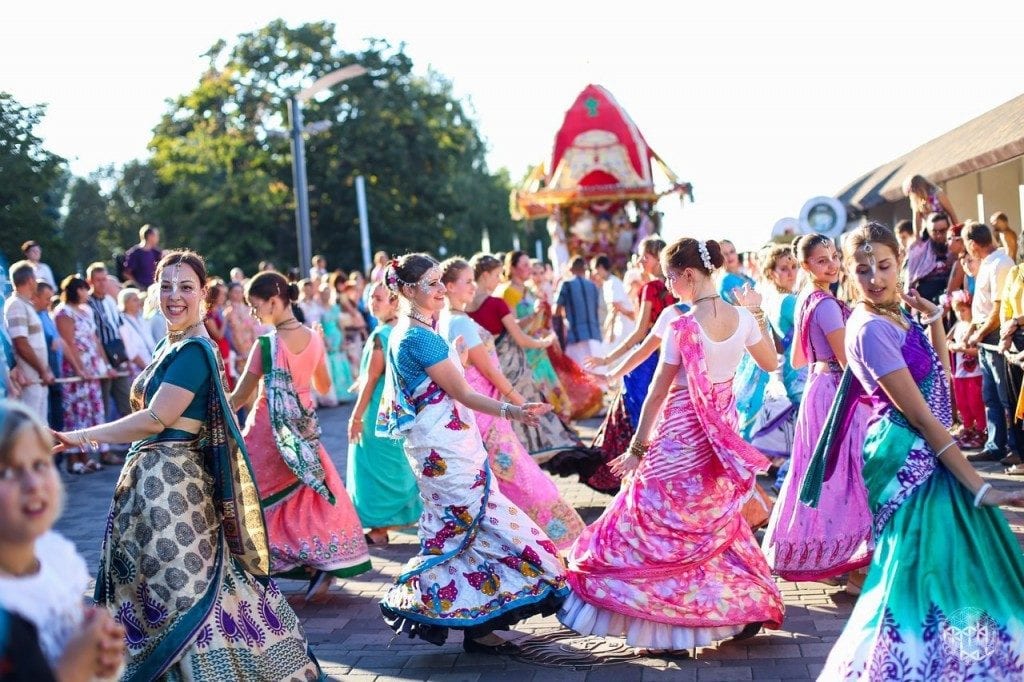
186,537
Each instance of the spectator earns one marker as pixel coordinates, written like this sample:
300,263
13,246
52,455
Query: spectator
576,302
929,261
309,302
966,376
318,271
107,319
26,331
238,277
82,401
1005,234
138,341
926,198
54,351
33,252
620,312
905,233
380,264
152,315
217,326
266,266
10,385
985,311
140,260
242,326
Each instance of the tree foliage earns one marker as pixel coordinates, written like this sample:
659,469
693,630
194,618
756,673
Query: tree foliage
32,182
223,179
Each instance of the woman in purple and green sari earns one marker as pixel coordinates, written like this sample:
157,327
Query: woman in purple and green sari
819,543
943,594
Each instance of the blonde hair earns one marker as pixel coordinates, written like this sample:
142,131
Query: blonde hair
15,418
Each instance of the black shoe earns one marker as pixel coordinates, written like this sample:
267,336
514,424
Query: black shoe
318,584
749,631
471,646
986,456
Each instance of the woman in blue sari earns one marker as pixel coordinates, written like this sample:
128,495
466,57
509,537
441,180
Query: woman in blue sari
767,403
944,592
185,539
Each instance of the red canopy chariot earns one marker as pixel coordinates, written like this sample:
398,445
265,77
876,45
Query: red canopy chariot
600,162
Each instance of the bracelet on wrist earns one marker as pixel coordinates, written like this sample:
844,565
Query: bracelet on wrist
981,494
638,449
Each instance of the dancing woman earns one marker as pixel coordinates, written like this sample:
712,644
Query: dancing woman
615,432
483,563
519,477
671,564
945,562
313,528
186,537
534,317
550,442
381,483
818,543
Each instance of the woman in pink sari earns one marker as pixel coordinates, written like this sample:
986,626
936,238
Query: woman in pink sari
519,477
671,564
819,543
312,526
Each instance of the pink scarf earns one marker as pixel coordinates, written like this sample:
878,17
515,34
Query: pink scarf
741,459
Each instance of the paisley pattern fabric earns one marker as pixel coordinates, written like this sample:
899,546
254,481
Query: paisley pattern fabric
942,599
183,535
672,563
483,563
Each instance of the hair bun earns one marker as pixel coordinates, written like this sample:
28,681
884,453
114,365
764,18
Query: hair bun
715,252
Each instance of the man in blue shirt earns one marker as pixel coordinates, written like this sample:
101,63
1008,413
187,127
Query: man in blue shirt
577,302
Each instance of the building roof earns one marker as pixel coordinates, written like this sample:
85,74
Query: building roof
994,137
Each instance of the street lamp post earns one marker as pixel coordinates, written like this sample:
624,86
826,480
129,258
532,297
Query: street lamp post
299,182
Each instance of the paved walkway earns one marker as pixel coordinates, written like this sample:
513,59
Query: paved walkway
352,642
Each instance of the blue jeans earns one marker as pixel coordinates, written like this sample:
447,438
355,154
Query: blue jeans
995,394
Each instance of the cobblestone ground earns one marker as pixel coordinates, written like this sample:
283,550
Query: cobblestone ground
352,642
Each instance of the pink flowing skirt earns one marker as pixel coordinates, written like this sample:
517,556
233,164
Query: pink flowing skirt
671,563
519,477
816,543
305,531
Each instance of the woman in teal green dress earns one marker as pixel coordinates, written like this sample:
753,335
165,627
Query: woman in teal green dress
337,358
380,480
944,595
184,563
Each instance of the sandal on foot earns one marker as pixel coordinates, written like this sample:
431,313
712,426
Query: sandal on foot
750,630
93,466
376,543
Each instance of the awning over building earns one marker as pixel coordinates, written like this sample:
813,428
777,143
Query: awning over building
989,139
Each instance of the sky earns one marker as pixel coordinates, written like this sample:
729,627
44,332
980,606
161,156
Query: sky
761,106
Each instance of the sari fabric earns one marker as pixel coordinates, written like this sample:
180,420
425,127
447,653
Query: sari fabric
483,563
381,483
184,541
834,536
311,522
519,477
672,563
942,599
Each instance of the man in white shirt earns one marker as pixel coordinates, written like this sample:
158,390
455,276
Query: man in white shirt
26,331
620,314
988,289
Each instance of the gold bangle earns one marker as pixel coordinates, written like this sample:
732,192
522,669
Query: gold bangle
638,449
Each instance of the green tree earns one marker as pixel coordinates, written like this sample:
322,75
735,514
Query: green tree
223,179
32,183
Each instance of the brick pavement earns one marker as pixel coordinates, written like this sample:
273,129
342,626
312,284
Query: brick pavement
352,642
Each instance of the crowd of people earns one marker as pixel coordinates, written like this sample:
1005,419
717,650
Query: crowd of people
837,370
